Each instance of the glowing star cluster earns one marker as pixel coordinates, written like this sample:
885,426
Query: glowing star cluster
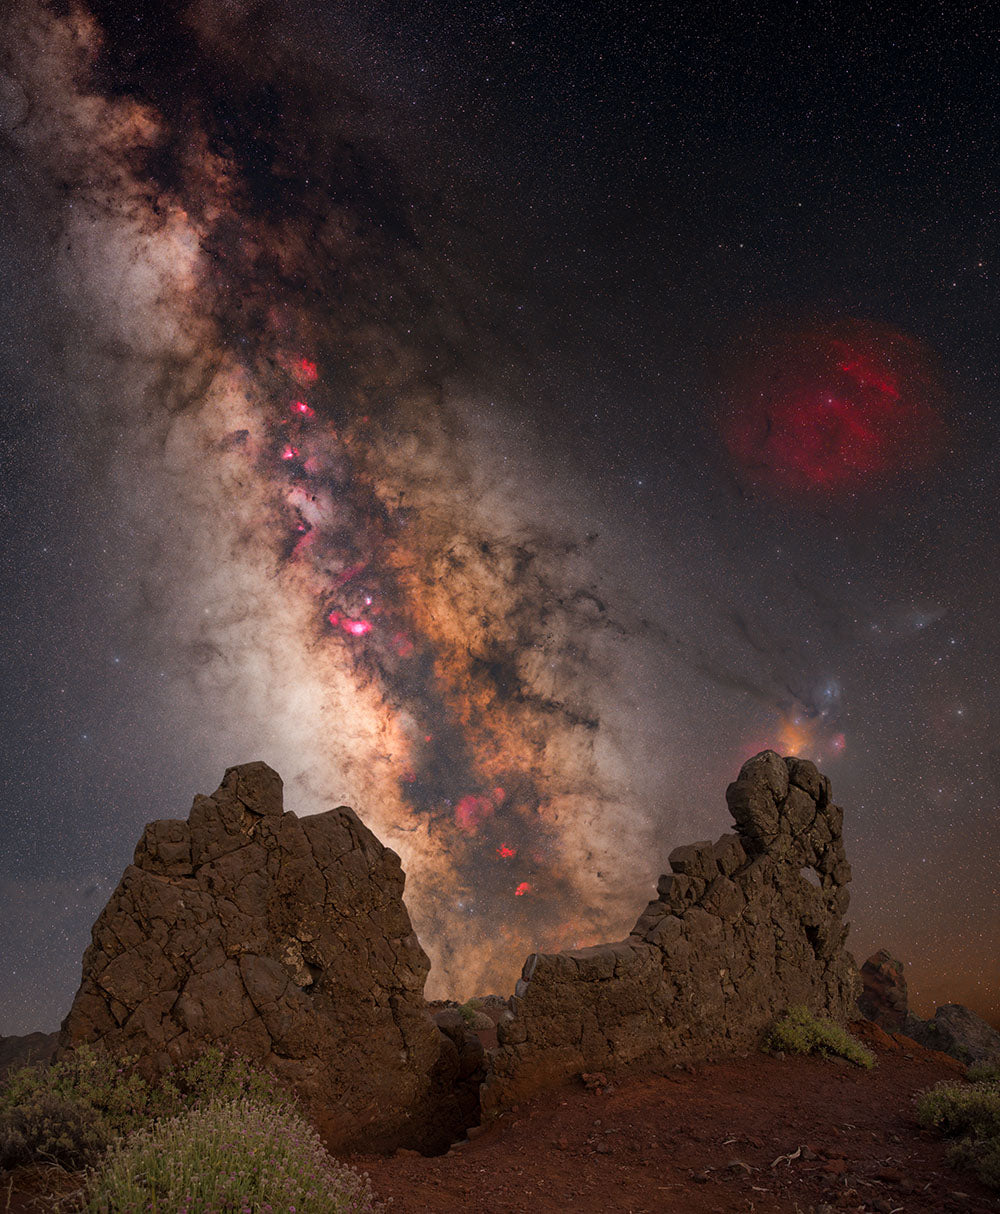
832,409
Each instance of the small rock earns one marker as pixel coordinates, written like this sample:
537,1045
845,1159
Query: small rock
594,1081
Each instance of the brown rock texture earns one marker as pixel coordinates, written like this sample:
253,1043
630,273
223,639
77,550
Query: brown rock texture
957,1031
741,929
284,939
884,998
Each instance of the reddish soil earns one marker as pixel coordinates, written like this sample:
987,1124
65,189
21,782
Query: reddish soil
753,1135
767,1135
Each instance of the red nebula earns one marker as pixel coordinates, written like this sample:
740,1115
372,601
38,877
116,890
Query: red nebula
305,371
506,852
290,453
354,628
300,407
404,648
522,889
834,408
471,811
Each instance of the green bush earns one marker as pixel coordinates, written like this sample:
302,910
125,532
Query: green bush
798,1031
46,1127
981,1072
67,1113
233,1156
969,1112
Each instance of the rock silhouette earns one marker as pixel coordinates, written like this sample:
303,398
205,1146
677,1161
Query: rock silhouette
741,929
286,939
884,997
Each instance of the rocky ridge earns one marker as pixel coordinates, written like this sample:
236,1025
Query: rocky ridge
289,941
741,928
953,1029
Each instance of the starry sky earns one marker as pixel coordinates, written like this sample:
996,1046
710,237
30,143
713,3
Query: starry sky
503,419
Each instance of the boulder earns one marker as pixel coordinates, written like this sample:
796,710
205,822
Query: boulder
955,1030
286,939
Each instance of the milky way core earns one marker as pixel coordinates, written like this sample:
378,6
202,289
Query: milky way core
832,409
333,532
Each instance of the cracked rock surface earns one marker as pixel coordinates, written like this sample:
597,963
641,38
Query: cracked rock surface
741,929
286,939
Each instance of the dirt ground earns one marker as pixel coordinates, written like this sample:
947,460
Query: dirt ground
755,1134
788,1135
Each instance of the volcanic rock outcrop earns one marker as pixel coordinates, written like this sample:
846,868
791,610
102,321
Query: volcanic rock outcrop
287,940
741,929
953,1029
884,998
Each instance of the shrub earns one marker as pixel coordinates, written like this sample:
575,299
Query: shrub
68,1112
798,1031
234,1156
48,1127
969,1112
981,1072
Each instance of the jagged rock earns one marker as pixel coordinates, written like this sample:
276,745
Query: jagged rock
955,1030
287,940
883,998
21,1051
736,934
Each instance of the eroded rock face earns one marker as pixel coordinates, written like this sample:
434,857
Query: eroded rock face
287,940
741,928
957,1031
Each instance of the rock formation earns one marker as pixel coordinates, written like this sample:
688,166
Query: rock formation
287,940
956,1030
953,1029
883,997
741,929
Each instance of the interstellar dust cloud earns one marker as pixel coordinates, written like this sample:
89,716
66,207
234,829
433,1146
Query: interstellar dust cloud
283,380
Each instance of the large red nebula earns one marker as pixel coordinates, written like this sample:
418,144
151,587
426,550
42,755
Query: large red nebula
834,408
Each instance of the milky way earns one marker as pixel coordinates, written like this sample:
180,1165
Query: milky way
282,335
401,438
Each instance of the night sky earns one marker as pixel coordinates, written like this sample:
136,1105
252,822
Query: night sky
503,419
